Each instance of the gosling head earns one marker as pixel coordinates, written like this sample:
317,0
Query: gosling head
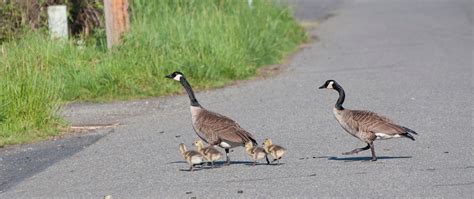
267,142
175,75
248,145
329,84
182,148
199,144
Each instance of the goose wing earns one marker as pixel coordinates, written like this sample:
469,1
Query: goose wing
367,121
217,127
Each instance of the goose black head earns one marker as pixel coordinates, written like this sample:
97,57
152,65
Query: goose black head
330,84
175,75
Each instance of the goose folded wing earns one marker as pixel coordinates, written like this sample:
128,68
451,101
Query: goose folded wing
387,128
217,127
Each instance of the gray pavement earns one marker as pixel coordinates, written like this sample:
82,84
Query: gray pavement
409,60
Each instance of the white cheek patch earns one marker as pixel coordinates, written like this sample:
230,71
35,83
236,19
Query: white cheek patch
330,84
177,77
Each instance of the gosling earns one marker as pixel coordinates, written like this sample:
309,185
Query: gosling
274,150
255,152
192,157
210,153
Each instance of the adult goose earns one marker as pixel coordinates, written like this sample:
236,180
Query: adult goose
365,125
212,127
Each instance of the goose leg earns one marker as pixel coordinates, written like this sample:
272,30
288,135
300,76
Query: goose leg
369,146
227,156
372,149
191,168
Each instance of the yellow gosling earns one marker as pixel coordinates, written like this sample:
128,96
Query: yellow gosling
255,152
192,157
210,153
273,149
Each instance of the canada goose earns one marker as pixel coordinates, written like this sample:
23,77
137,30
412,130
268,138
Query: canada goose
365,125
210,153
255,152
273,149
192,157
211,127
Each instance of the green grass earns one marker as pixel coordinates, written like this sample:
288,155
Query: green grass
213,42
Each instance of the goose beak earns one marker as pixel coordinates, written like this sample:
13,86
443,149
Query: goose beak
169,76
322,87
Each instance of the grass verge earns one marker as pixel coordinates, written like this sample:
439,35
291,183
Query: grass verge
212,41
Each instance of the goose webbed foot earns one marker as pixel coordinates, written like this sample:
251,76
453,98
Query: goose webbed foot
355,151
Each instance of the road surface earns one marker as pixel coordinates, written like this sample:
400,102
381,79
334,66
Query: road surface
409,60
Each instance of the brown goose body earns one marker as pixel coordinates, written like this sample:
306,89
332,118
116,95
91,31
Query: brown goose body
369,126
365,125
212,127
219,130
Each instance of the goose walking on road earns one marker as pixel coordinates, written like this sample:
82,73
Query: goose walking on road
365,125
211,127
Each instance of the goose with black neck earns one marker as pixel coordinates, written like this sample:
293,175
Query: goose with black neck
365,125
213,128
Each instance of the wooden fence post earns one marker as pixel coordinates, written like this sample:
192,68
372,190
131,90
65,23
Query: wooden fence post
116,20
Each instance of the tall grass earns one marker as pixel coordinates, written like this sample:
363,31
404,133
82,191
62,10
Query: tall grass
212,41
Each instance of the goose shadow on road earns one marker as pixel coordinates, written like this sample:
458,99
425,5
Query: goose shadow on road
219,164
363,158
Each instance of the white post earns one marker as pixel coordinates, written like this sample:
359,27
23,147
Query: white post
57,21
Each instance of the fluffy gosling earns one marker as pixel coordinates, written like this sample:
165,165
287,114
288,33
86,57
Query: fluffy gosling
274,150
192,157
255,152
210,153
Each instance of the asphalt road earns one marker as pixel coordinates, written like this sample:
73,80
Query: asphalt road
409,60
